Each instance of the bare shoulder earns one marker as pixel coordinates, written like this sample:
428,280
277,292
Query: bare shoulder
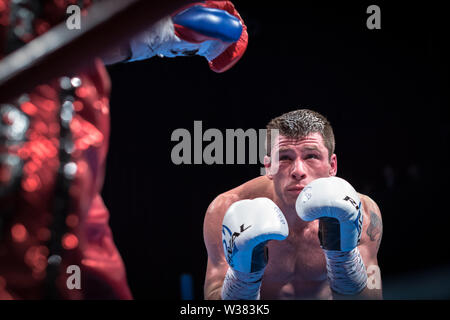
370,208
216,211
212,229
257,187
372,222
369,204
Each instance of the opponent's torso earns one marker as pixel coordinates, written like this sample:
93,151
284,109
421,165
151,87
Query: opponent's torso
49,197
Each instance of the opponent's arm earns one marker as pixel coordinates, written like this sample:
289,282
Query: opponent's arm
118,54
212,29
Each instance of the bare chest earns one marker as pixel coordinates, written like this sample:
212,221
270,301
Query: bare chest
296,268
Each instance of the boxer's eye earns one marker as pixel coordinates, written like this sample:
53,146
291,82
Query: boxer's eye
312,156
284,157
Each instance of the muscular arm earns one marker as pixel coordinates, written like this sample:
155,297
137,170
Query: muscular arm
370,242
212,232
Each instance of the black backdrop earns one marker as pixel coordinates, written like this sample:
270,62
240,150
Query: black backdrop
384,91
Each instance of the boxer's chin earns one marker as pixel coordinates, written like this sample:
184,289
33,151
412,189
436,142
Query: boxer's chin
290,198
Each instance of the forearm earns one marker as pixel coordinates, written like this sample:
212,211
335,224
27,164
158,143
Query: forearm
366,294
215,294
119,54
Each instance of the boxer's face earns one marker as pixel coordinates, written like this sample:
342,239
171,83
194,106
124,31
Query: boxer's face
296,162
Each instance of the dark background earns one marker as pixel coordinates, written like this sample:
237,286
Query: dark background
384,91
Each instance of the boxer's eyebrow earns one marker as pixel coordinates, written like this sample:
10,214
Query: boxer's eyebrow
311,148
284,149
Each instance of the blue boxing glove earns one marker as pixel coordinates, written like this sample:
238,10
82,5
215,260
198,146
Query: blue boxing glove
205,23
337,205
212,29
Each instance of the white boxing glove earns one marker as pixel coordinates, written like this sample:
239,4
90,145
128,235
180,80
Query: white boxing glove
336,204
247,226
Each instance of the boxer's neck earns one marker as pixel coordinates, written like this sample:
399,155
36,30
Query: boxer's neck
291,216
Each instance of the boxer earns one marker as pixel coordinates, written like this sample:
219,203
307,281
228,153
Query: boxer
53,147
299,232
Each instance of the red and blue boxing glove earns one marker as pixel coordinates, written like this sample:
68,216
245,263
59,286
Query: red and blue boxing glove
212,29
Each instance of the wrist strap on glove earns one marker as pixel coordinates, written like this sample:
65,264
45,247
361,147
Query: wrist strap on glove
242,285
346,271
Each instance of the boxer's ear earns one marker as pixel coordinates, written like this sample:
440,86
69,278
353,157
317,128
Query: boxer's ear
333,165
268,165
